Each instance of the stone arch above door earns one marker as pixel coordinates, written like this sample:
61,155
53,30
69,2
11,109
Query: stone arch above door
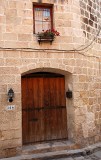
60,68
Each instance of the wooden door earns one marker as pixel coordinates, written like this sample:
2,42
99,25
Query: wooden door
43,108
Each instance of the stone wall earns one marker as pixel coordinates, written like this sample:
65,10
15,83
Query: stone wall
16,19
91,28
91,25
91,17
81,69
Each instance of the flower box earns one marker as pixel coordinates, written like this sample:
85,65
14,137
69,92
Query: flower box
45,39
47,36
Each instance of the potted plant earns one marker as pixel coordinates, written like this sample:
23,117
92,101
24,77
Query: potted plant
47,35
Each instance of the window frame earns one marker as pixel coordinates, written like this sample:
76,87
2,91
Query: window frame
42,6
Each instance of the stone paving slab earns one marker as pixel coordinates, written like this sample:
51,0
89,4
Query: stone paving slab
97,154
65,158
79,158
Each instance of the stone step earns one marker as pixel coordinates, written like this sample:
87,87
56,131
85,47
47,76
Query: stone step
51,155
49,147
56,155
47,151
47,156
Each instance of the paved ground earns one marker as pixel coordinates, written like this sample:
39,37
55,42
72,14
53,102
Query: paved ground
95,156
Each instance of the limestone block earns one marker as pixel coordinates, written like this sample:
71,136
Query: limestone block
15,124
27,21
13,62
22,70
47,64
11,54
2,19
69,62
18,79
18,99
3,88
11,15
2,28
82,78
11,143
62,23
29,61
14,44
12,4
2,62
18,116
7,79
79,63
24,37
1,10
11,134
66,39
22,29
81,110
64,15
8,70
54,65
10,36
31,66
47,55
84,71
9,28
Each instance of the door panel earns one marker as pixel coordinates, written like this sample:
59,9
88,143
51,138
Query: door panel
44,109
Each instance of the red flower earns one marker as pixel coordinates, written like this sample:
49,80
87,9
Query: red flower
49,32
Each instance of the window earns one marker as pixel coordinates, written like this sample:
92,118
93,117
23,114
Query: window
42,18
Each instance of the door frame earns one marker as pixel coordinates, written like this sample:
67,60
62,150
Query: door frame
50,75
69,102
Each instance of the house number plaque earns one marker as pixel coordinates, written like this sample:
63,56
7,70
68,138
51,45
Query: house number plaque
10,107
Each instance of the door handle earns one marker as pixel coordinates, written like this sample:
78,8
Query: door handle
34,120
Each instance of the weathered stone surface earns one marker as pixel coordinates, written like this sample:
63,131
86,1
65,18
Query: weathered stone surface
89,18
62,155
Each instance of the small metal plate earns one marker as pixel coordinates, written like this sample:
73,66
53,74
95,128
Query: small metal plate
10,107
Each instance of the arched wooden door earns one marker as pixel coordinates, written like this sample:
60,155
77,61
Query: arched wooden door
44,115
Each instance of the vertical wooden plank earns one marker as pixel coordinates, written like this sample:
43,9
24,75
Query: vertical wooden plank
30,108
23,107
46,110
36,130
58,104
39,113
63,111
37,125
53,111
24,111
41,97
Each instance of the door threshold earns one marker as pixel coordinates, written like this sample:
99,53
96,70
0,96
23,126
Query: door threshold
46,141
50,146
